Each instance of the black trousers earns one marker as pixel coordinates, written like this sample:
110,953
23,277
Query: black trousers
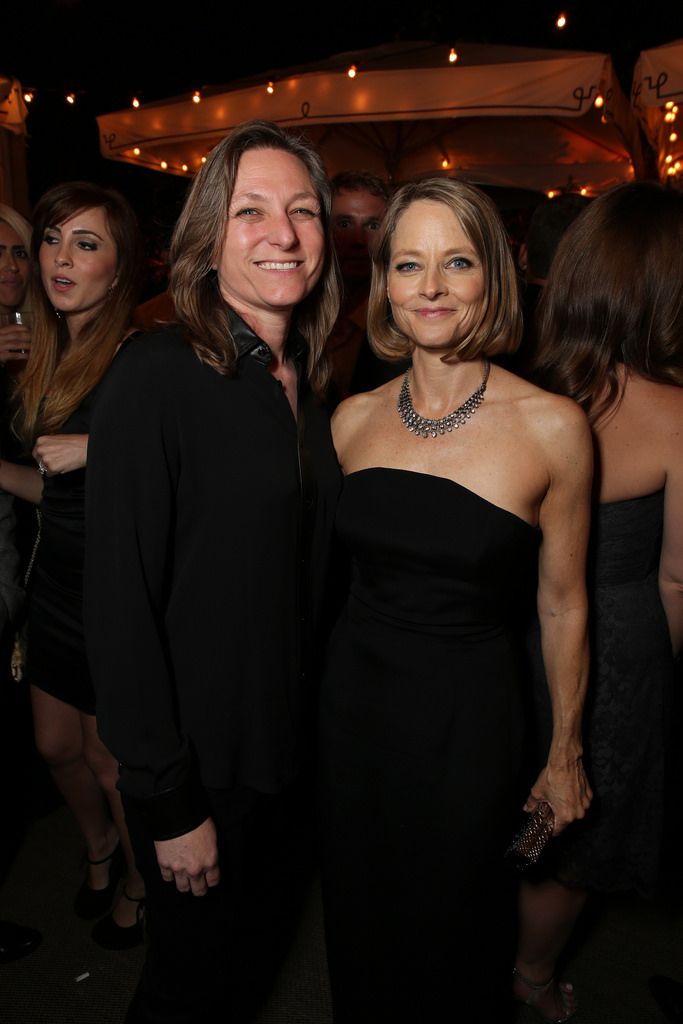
214,958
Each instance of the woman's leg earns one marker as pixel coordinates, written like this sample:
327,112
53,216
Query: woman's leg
105,768
548,912
60,741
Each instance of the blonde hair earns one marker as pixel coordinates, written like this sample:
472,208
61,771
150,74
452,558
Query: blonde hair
53,385
498,327
198,240
19,224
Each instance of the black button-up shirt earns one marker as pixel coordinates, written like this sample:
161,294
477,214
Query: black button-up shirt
209,516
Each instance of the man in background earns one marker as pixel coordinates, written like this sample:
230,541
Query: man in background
359,202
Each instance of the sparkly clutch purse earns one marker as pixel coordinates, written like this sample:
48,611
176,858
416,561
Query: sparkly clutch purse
530,841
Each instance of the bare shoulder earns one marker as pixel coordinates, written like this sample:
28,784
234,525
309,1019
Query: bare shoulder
668,422
665,402
653,410
654,396
548,417
354,412
353,416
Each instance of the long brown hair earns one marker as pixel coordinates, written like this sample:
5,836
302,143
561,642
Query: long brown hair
198,240
614,298
498,327
53,386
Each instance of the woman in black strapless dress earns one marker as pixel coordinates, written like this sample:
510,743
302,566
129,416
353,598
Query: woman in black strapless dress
86,252
610,330
421,732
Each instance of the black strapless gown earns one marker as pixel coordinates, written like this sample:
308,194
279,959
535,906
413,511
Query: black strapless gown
421,733
56,661
618,844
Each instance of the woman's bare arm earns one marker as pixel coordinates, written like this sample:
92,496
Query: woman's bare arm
21,481
563,610
671,562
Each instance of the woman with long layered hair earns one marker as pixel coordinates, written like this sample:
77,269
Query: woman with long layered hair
209,515
86,264
611,337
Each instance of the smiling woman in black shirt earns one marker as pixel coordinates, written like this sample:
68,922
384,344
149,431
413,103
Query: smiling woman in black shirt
210,505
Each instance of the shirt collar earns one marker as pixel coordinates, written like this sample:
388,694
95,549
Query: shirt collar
247,342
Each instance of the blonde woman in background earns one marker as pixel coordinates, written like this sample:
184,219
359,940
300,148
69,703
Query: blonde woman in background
15,267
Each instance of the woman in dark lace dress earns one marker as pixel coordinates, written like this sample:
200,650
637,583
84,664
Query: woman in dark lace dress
611,331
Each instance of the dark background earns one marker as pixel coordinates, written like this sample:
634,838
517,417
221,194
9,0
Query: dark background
108,52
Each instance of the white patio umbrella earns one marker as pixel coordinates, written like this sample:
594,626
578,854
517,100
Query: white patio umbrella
656,95
542,119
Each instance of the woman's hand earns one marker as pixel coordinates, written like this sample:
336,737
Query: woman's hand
565,787
61,453
15,343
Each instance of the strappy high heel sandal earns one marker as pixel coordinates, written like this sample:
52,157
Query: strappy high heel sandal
110,935
90,903
537,991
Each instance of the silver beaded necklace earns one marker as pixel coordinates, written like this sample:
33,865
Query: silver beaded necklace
423,427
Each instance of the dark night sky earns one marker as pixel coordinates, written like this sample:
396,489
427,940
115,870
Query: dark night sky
107,53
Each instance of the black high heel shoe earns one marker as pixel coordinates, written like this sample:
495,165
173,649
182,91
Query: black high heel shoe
110,935
91,903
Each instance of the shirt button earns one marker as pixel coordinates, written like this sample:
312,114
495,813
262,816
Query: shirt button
262,353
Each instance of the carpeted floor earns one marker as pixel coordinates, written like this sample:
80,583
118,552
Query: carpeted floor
69,980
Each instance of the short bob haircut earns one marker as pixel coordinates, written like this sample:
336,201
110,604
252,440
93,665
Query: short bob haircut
497,329
53,385
198,241
615,297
